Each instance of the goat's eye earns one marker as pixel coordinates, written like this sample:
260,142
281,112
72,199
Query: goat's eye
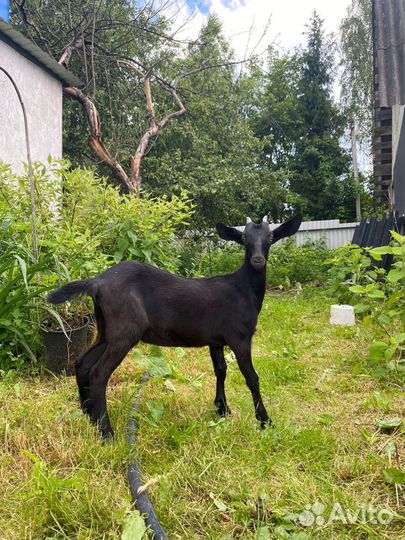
243,238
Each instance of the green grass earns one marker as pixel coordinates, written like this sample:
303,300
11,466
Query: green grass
208,478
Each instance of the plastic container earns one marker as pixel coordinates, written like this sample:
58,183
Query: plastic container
61,352
342,315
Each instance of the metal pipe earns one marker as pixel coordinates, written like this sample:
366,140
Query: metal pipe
29,161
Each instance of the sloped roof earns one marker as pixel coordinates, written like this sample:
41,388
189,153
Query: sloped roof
389,51
27,48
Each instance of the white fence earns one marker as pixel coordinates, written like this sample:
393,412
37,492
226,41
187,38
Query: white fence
334,233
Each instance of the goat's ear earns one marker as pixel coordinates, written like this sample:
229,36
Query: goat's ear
288,228
229,233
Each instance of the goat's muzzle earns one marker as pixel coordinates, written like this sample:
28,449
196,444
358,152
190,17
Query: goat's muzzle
258,262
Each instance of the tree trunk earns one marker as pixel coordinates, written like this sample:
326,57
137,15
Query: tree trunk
355,169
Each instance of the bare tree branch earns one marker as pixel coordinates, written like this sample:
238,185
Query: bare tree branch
27,20
75,44
83,38
155,126
95,140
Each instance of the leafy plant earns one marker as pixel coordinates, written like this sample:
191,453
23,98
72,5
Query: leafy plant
347,268
387,425
155,362
84,226
377,295
394,476
380,401
288,263
134,527
384,301
20,304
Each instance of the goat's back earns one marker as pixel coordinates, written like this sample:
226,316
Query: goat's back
173,310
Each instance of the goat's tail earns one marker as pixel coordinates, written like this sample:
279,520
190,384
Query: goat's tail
72,290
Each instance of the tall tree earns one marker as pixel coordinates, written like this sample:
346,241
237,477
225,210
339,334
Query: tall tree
213,152
301,127
357,80
356,47
137,77
320,164
275,114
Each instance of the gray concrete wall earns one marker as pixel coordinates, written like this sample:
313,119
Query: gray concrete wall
42,96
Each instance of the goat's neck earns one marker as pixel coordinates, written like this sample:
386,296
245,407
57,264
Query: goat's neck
256,280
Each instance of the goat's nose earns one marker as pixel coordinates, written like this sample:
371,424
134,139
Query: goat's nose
258,259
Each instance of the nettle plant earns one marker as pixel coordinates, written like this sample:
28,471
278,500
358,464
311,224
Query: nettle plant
348,268
377,295
383,301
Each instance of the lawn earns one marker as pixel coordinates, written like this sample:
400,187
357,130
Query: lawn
212,478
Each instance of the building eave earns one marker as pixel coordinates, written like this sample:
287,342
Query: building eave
30,50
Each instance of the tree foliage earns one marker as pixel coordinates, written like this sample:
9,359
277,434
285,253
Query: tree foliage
119,50
212,152
356,47
251,142
276,116
302,127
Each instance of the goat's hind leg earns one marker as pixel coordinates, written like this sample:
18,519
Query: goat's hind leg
125,324
218,359
99,376
84,364
82,367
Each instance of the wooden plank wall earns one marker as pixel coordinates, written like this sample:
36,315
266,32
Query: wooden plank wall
382,153
382,138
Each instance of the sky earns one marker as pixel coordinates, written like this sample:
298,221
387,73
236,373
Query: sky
287,20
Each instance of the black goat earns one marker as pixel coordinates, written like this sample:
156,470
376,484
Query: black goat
135,302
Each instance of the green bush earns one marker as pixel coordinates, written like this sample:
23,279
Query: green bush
347,267
84,225
287,264
20,304
203,254
378,296
290,264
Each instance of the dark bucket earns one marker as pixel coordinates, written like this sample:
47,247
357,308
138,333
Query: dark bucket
61,352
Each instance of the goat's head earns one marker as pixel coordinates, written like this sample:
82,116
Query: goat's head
257,239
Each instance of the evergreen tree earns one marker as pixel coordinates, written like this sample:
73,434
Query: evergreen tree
320,164
301,128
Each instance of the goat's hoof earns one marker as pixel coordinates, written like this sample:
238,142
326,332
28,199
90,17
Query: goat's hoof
267,423
107,436
224,411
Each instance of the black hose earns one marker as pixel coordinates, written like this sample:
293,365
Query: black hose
142,501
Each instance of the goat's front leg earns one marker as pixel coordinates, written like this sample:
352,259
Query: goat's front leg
218,359
244,357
